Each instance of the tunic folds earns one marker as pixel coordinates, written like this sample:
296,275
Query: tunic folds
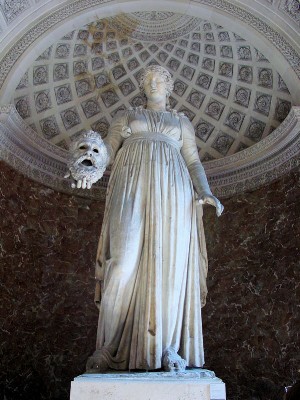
151,257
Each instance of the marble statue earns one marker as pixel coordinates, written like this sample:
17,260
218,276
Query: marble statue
151,261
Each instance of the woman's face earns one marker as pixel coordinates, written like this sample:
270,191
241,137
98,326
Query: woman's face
155,86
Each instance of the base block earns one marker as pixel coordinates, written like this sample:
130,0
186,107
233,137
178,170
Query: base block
188,385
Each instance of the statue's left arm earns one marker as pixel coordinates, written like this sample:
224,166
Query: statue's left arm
190,154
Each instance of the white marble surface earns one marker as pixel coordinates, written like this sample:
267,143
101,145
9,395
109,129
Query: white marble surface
189,385
152,253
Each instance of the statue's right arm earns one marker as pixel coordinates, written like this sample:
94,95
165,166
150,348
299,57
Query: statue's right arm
113,141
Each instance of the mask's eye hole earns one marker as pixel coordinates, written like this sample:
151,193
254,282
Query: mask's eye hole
82,147
95,150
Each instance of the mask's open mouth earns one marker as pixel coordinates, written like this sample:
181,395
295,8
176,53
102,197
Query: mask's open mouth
87,163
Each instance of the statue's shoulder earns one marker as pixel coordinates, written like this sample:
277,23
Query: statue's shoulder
123,113
185,122
182,114
135,109
179,114
120,113
120,116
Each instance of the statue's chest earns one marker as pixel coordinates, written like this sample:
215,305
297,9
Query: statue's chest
160,122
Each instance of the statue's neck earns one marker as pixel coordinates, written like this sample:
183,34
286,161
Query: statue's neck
156,106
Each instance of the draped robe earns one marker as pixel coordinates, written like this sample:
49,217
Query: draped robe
151,259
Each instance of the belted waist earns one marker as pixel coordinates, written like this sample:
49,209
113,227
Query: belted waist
152,137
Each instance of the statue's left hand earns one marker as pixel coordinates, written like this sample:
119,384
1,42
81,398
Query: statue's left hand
212,200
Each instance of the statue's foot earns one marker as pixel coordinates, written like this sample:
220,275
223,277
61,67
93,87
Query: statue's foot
171,361
97,363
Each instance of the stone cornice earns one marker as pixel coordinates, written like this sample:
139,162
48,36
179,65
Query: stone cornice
258,165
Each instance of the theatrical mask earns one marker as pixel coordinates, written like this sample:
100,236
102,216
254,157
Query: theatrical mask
89,157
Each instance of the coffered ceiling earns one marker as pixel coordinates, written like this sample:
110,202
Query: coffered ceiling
229,90
236,76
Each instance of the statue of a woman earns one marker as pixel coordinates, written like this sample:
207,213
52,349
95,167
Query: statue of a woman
151,258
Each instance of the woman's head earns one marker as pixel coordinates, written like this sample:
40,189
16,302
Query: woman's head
161,73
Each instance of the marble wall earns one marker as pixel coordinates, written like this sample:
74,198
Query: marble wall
48,321
251,321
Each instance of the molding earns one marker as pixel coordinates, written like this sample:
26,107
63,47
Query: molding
249,169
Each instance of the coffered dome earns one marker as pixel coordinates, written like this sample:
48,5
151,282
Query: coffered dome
229,90
69,66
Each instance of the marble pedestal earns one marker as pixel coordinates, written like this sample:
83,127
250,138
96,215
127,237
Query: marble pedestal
188,385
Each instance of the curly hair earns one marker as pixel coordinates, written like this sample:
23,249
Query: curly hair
163,72
85,135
